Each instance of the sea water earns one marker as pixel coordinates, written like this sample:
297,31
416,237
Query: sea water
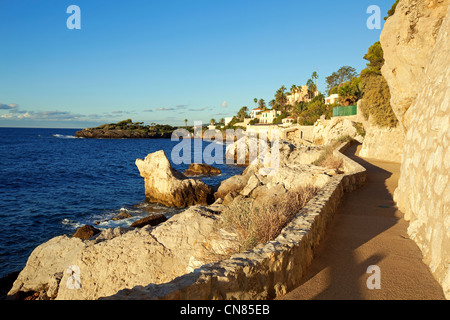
52,183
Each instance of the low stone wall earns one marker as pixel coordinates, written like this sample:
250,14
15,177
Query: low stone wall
269,270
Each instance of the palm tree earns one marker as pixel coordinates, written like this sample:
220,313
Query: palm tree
280,97
293,88
261,104
222,121
311,88
185,122
315,76
213,121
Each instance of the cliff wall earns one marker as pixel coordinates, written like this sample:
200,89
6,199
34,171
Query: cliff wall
416,46
384,144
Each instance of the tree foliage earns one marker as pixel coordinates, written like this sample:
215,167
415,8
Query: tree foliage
350,92
375,56
344,74
375,90
242,114
392,10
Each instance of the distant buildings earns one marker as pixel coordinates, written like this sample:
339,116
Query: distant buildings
332,99
300,94
255,112
268,116
288,121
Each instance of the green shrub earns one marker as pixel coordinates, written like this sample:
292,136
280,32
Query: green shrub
377,101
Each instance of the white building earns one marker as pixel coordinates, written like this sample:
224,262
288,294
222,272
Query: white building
288,121
332,99
255,112
267,117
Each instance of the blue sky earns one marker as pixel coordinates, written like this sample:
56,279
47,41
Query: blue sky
165,61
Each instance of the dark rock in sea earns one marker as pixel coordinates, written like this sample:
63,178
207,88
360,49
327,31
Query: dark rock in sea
86,232
121,134
153,221
198,169
122,215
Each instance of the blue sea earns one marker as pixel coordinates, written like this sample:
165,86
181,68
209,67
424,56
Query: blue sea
52,183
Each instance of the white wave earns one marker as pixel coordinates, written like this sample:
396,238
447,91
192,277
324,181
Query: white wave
71,224
61,136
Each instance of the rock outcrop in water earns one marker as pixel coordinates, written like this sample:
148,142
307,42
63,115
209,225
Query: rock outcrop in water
165,185
201,169
127,129
120,134
416,44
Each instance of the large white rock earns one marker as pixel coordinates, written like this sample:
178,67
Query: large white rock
165,185
326,131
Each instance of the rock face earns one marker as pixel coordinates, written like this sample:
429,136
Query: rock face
416,44
408,39
167,186
200,169
384,144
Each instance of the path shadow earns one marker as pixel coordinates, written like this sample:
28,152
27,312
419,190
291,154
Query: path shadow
339,269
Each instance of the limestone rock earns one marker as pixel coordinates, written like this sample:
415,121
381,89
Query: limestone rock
119,259
45,261
167,186
233,184
384,144
252,184
408,38
326,131
201,169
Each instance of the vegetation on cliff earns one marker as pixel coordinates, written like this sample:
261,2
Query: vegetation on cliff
375,90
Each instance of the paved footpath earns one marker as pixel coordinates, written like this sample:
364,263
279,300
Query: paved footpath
368,230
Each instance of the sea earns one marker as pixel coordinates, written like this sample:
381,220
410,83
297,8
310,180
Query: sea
52,183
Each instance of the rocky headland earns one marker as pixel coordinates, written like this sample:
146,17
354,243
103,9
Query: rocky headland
127,129
121,134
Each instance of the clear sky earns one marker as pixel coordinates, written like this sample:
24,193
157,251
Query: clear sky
165,61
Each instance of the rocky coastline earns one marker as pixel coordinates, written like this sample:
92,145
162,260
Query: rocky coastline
114,259
158,249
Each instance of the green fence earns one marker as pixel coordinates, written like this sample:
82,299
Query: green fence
345,111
